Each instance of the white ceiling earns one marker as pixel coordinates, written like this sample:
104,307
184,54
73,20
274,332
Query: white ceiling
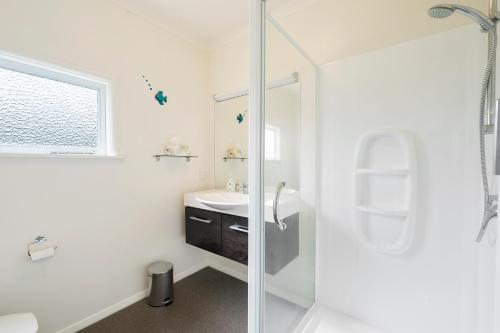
204,22
201,21
326,29
333,29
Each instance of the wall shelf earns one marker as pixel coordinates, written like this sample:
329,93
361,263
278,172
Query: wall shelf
381,211
187,157
235,158
384,172
385,190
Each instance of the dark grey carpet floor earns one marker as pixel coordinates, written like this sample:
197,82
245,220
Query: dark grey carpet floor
207,301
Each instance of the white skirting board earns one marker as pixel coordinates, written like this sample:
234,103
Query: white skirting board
123,304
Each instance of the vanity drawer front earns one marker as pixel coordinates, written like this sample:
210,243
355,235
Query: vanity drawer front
203,229
235,242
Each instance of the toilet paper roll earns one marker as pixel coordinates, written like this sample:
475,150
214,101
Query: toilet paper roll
42,253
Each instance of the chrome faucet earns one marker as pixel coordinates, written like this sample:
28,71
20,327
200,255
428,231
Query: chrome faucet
241,187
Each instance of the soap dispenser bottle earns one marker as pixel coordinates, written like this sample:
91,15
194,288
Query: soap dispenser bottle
231,185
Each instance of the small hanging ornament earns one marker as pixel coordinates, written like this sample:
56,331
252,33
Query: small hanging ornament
241,117
160,96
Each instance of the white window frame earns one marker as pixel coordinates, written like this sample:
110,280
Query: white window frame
35,68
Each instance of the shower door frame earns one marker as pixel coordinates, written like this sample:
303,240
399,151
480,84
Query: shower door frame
256,238
256,153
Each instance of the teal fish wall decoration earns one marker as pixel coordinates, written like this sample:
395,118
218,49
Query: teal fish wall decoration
160,96
162,99
241,117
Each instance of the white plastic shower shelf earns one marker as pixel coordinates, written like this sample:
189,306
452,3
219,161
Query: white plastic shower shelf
385,190
383,172
379,211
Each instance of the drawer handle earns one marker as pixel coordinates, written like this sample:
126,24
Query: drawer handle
239,228
198,219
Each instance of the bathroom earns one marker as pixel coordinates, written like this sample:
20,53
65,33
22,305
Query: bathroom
289,165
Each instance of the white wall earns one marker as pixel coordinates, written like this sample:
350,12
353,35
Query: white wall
110,217
430,87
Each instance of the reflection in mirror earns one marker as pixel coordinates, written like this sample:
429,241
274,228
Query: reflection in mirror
231,141
282,138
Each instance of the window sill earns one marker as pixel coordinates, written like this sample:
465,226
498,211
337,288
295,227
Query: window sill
64,156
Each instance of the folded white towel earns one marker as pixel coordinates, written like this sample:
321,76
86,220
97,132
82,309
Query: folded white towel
175,146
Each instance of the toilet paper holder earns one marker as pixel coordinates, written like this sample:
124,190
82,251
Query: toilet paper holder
38,241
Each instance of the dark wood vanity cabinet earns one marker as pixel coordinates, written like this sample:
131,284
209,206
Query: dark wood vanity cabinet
281,246
203,229
234,238
227,235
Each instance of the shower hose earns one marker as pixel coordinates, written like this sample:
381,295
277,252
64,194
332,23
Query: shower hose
490,202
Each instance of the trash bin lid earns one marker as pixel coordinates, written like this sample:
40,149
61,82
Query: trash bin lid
159,268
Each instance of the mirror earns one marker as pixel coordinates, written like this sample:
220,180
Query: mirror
231,141
282,142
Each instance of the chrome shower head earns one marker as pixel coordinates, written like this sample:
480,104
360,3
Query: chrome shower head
441,11
446,10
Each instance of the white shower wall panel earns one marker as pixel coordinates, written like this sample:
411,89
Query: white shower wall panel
429,87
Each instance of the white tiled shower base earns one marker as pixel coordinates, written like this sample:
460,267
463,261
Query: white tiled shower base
281,315
321,319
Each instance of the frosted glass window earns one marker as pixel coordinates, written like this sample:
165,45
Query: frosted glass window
43,111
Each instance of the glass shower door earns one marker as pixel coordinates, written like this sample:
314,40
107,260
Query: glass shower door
289,224
289,184
282,178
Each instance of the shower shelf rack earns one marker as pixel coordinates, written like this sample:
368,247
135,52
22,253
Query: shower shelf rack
385,171
382,211
382,172
187,157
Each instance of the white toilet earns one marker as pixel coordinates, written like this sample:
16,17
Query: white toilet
18,323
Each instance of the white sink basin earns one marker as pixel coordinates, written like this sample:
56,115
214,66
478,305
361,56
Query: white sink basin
223,200
237,203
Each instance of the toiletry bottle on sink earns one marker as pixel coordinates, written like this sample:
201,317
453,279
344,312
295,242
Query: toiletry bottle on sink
231,185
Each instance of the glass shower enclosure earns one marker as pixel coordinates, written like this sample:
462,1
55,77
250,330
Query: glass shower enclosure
370,201
282,181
